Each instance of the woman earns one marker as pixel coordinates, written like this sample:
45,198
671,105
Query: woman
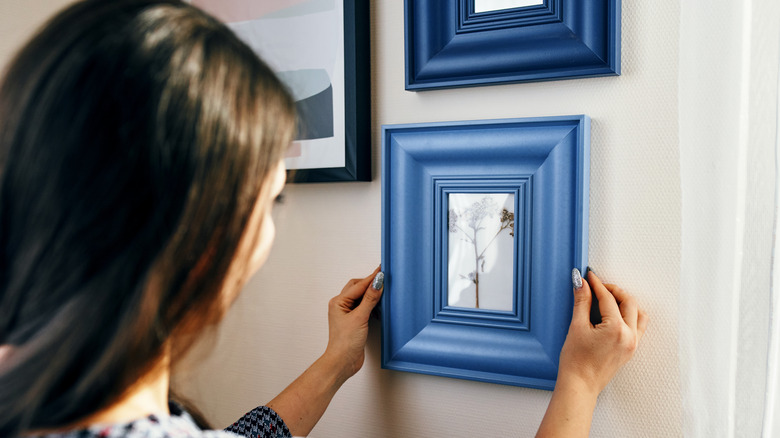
141,148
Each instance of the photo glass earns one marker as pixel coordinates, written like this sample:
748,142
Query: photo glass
497,5
481,250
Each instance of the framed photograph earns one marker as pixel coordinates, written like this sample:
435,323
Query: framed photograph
320,50
459,43
482,223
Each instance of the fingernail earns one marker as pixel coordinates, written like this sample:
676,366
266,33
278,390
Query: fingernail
379,281
590,270
576,278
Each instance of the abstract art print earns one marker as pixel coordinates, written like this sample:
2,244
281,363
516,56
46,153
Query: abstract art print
319,49
482,223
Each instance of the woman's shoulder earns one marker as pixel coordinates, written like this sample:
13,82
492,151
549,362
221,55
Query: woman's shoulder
261,421
153,426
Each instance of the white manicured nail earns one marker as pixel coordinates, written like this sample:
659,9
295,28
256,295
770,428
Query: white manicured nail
379,281
576,278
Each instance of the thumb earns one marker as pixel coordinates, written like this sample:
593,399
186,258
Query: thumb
372,296
582,299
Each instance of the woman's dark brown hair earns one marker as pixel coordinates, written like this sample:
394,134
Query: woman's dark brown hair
135,137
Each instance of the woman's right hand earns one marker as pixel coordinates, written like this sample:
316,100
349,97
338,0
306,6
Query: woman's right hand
593,354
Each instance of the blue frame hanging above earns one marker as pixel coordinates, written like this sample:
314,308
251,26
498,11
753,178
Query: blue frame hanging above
448,44
541,167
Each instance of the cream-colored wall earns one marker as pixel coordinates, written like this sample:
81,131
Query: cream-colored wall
329,233
19,19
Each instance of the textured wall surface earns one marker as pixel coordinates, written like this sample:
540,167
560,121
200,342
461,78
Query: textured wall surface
18,21
330,233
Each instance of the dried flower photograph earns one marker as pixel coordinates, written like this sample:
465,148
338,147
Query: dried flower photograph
481,250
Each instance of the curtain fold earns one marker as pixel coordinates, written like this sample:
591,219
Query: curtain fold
728,100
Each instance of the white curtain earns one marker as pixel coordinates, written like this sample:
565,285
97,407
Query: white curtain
772,419
728,125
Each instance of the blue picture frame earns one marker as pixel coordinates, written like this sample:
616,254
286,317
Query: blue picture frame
449,45
545,163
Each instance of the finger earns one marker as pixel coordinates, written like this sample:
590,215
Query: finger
582,301
641,325
595,313
608,307
369,301
627,304
355,288
617,292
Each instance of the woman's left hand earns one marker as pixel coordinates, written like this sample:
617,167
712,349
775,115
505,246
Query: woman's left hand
348,315
304,401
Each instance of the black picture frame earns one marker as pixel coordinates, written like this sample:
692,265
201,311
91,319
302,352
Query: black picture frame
357,103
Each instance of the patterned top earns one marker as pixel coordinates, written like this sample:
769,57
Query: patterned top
261,422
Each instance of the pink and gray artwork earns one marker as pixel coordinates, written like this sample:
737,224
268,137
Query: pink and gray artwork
303,42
